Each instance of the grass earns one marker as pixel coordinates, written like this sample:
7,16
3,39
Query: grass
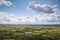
29,32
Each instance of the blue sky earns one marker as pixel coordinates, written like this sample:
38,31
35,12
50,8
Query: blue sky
28,8
20,6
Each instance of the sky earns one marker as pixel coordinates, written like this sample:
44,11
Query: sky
29,11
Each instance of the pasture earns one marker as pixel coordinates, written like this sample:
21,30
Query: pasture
14,32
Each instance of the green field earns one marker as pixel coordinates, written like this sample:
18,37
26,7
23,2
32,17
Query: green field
29,32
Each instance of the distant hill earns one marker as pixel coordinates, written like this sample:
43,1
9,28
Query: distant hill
30,24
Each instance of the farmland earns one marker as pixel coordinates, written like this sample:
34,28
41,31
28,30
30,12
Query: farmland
12,32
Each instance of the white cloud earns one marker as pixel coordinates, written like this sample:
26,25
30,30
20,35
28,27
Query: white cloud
9,18
47,15
5,2
45,8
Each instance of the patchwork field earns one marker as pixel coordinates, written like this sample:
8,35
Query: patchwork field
29,32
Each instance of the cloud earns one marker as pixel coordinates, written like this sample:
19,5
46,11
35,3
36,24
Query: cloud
5,2
45,8
47,15
9,18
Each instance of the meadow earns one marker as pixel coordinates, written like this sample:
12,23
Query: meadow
13,32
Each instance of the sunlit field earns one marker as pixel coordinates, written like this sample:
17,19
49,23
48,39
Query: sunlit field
29,32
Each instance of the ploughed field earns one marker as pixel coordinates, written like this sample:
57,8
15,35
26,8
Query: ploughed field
29,32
